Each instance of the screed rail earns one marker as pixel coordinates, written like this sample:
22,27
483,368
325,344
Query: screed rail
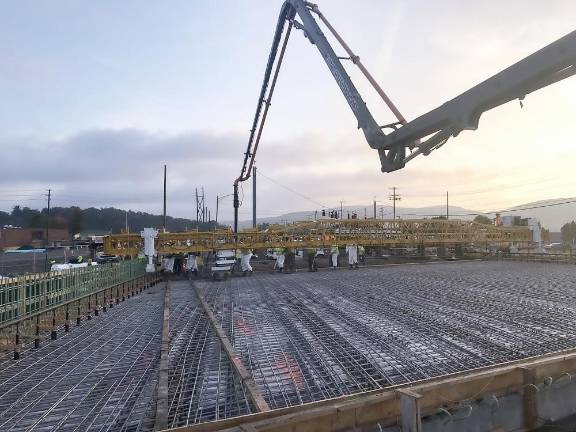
203,385
246,377
326,232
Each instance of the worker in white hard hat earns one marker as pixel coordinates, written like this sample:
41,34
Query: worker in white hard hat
245,261
352,251
334,256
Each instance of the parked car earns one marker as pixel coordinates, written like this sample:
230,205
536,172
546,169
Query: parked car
104,259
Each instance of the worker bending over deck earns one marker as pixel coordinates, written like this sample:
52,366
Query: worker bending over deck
245,257
352,251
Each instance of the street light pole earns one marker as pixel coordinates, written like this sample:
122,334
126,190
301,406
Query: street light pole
46,240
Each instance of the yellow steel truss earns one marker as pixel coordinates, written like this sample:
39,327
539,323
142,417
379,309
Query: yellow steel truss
325,233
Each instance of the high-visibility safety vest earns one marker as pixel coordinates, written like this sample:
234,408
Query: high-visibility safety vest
334,250
361,250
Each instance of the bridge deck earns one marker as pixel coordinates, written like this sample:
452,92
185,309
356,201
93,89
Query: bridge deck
308,337
304,337
100,376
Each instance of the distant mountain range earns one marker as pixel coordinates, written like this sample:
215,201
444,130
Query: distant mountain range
551,216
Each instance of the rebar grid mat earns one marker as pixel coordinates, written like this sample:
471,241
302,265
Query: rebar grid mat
308,337
202,383
99,377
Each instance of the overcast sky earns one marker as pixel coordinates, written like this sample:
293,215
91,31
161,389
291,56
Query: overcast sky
98,95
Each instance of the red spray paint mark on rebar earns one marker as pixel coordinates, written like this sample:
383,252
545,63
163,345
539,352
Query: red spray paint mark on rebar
244,328
289,367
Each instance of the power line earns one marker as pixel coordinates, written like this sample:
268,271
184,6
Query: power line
569,201
292,190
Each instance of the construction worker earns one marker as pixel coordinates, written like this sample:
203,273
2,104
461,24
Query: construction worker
362,254
245,262
311,256
334,255
352,251
290,261
238,256
280,257
192,265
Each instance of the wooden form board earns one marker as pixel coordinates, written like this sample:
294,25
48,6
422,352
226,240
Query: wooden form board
385,406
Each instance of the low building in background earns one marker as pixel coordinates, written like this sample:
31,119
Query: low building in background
532,223
11,237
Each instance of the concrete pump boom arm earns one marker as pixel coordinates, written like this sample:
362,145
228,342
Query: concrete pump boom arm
426,133
550,64
374,135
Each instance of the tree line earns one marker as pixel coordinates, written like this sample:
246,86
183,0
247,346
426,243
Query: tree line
568,231
96,220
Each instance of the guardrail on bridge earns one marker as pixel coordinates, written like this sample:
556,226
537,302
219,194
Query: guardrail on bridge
24,295
35,307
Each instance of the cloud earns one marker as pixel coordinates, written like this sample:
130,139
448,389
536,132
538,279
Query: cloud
124,168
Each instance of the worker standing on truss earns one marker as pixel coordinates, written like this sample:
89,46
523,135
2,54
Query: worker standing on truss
334,256
352,251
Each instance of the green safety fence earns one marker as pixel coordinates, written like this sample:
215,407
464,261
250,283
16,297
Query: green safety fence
25,295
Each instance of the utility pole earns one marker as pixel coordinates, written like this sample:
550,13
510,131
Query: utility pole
374,207
254,196
47,231
203,207
164,224
236,204
394,197
218,199
197,214
381,212
447,205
